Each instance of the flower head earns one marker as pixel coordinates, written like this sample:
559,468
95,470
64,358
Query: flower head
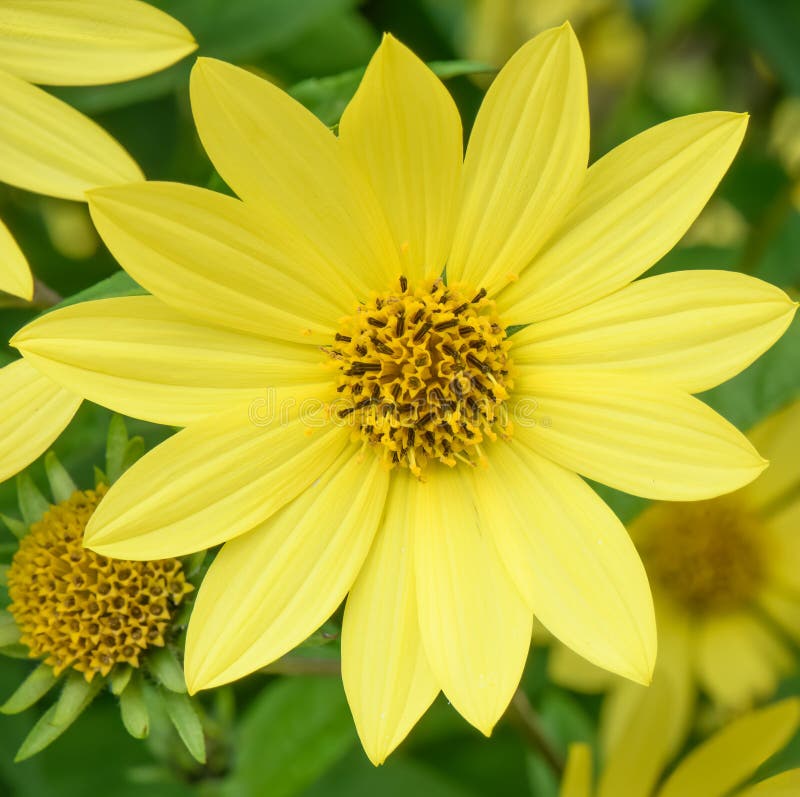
361,421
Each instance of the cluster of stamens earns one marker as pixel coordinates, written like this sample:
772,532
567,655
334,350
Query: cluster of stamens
706,555
424,374
84,611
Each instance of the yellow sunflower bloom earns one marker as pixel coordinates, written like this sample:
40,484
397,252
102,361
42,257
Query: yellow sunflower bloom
359,419
45,145
723,766
725,575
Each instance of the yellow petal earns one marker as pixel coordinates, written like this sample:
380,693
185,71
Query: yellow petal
739,659
211,482
566,668
387,678
694,329
88,42
403,129
34,411
784,609
787,784
644,438
778,439
577,780
475,625
782,545
48,147
570,557
279,156
214,258
645,745
271,588
733,754
15,273
633,207
525,161
139,357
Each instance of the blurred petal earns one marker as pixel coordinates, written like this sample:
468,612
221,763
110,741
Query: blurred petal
646,439
577,779
211,482
278,156
34,411
734,754
739,659
141,358
15,273
567,668
403,129
634,206
784,609
787,784
388,680
570,557
525,161
693,329
216,259
50,148
88,42
270,589
476,627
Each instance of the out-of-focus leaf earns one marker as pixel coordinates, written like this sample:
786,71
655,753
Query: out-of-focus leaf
133,709
292,733
61,483
35,686
327,97
119,284
32,504
164,667
184,717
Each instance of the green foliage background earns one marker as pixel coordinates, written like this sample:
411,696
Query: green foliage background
283,736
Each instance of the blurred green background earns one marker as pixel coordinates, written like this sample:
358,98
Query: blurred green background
648,60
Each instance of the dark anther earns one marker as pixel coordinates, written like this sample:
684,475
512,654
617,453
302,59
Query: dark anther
466,330
376,391
410,437
381,346
451,322
430,438
345,338
357,388
460,309
450,351
363,403
396,391
395,457
361,349
362,368
379,303
479,295
476,363
401,324
422,331
340,388
418,315
403,284
477,344
424,419
346,411
376,322
420,361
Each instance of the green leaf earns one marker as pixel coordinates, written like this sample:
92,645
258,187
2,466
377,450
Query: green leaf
56,720
116,446
133,452
327,97
14,650
164,667
187,723
99,477
133,708
119,678
33,688
61,484
17,527
4,575
32,504
9,630
309,728
75,692
119,284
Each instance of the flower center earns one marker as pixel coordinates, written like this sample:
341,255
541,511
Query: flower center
77,609
706,555
424,373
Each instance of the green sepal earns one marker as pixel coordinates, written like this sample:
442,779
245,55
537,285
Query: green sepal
133,452
116,445
133,709
15,650
9,630
164,667
193,563
184,717
32,689
120,678
99,477
4,575
32,504
17,527
61,484
57,718
75,690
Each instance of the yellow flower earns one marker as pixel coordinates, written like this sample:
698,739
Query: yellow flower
48,147
723,766
45,145
725,575
357,425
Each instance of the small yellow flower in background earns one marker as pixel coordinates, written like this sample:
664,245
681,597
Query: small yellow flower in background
721,767
359,418
93,620
45,145
48,147
725,575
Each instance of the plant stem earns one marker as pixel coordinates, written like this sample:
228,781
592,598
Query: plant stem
302,665
522,715
43,295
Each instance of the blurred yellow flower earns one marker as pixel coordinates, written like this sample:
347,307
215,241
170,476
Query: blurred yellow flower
721,767
357,424
45,145
725,576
